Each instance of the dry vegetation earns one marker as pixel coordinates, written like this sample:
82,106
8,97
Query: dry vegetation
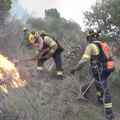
45,98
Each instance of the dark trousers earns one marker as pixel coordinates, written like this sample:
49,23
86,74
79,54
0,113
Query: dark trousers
57,59
103,91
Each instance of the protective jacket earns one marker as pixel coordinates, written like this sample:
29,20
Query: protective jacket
91,54
50,44
51,48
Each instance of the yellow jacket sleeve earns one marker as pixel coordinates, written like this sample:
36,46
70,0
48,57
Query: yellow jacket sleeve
90,50
51,44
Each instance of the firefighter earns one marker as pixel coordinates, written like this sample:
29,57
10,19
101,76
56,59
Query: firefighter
26,41
91,54
46,45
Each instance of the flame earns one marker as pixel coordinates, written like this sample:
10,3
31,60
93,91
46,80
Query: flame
9,75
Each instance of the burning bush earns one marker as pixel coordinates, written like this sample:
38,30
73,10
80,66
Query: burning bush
9,75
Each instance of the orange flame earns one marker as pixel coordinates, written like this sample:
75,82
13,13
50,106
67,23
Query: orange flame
9,74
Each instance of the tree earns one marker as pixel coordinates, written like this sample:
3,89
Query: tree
23,13
5,6
38,23
52,13
71,25
105,14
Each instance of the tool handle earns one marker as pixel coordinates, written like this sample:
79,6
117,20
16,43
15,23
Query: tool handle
88,86
116,51
43,57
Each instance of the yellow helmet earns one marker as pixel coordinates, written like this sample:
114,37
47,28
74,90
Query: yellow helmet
33,38
36,34
24,28
92,32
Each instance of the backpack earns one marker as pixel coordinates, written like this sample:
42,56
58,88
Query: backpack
60,48
105,58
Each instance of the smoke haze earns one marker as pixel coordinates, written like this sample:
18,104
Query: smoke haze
69,9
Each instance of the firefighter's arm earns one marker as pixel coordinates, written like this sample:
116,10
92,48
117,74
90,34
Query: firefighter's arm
52,45
85,58
39,52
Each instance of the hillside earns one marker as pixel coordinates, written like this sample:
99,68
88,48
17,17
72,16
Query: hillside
24,95
46,98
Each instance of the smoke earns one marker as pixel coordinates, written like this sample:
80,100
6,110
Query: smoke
23,9
39,6
18,11
69,9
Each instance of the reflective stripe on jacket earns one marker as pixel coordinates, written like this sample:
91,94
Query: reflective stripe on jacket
91,50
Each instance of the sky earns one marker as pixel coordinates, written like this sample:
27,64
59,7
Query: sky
69,9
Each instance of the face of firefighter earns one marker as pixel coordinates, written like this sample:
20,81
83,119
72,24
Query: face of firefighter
88,40
39,45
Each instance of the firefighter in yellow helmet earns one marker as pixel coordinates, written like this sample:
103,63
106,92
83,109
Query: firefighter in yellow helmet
50,48
24,29
26,41
92,53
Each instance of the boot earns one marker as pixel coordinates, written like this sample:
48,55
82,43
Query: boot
110,117
109,114
59,77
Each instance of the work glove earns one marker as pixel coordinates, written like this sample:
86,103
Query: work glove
72,71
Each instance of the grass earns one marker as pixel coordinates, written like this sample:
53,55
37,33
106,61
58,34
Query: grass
86,115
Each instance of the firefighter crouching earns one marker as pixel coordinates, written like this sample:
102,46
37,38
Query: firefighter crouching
46,45
92,53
